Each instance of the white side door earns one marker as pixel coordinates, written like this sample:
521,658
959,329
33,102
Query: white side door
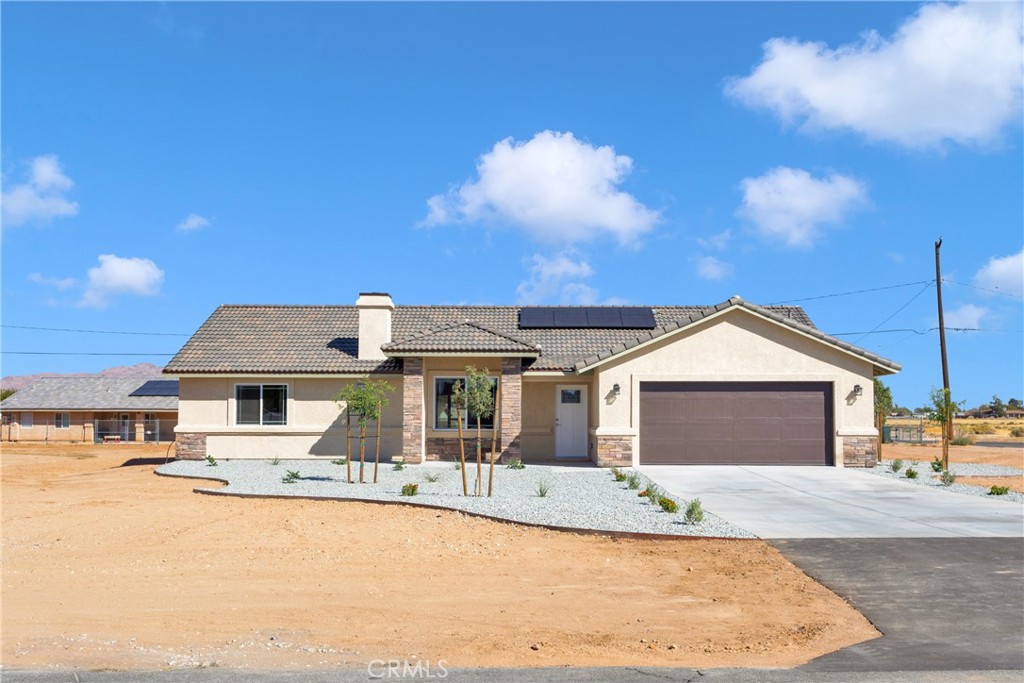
570,421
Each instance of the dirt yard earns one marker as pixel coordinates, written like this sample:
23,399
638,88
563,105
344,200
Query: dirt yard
1012,457
106,565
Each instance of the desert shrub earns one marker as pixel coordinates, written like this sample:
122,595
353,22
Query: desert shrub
983,428
654,494
962,440
458,465
339,461
911,473
937,465
275,460
410,489
290,477
618,474
668,505
633,481
211,461
515,463
642,494
947,478
694,512
1017,431
543,487
896,465
432,477
398,466
998,490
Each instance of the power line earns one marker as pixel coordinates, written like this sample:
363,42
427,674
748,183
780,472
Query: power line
984,289
859,291
64,329
78,353
924,331
923,290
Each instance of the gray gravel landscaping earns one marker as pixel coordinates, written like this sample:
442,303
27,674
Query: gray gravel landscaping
927,477
577,497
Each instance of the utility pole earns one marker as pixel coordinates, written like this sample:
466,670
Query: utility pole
947,427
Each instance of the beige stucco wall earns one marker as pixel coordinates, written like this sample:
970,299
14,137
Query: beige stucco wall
540,396
316,424
736,346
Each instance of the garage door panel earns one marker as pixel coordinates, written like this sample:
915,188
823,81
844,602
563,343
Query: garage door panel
736,423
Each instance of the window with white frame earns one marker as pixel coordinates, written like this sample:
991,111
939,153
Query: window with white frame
444,409
62,420
261,404
27,420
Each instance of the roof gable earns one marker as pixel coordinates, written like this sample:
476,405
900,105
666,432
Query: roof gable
465,337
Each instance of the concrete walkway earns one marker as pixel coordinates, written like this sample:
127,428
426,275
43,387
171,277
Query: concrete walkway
830,502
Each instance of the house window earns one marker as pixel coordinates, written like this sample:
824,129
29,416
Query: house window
261,404
62,420
571,396
27,420
444,411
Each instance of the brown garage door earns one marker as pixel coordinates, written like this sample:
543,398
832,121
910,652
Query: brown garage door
736,423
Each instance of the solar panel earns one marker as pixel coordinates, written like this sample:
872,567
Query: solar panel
637,318
157,387
591,317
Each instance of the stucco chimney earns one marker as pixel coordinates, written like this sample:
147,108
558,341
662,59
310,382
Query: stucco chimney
374,323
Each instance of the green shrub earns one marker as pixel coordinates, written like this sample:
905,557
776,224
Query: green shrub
543,487
911,473
896,465
618,474
432,477
937,465
947,478
291,476
339,461
668,505
694,512
654,494
398,466
458,465
1017,431
211,461
410,489
998,490
275,460
633,481
515,463
962,440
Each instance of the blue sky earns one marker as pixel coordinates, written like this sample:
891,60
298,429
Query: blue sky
161,159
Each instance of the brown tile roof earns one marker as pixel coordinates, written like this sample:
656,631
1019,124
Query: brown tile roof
461,337
323,339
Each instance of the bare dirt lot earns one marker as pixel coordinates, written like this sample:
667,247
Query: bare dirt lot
106,565
1012,457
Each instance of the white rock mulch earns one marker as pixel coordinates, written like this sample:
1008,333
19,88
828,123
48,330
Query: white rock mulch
927,477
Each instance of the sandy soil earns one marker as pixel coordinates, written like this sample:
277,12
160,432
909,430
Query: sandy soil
106,565
1015,483
1013,457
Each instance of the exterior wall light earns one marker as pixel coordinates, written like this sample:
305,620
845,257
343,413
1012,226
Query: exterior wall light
858,390
616,390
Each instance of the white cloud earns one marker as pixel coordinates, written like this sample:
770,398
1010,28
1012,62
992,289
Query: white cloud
967,316
557,278
41,198
716,242
790,205
193,221
1005,274
554,187
950,72
59,283
116,275
711,268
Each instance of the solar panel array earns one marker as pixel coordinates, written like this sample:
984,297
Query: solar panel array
585,317
157,387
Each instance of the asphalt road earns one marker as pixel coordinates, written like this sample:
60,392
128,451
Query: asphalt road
943,604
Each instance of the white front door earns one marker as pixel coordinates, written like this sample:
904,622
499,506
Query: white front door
570,421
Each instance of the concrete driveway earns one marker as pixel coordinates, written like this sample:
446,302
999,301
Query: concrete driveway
831,502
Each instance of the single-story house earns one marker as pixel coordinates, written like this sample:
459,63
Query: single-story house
731,383
92,409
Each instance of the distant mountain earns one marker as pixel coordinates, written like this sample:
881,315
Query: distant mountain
138,370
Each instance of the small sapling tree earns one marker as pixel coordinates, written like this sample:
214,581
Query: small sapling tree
942,410
479,404
366,400
458,404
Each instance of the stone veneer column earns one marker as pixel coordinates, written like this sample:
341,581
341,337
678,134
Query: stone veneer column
190,446
860,451
412,410
511,407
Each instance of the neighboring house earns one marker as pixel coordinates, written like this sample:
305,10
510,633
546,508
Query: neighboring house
732,383
92,409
